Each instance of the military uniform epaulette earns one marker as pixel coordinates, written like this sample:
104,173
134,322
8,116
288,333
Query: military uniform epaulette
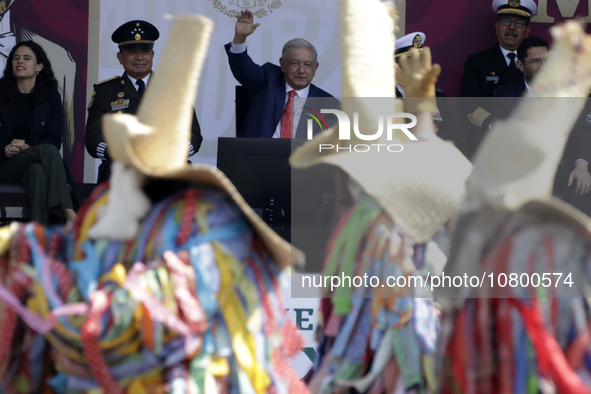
107,80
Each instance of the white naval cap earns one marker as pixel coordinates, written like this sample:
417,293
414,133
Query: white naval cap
524,8
412,40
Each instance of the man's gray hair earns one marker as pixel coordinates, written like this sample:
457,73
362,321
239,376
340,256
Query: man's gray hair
298,43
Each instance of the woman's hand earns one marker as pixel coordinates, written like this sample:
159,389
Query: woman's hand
11,151
15,147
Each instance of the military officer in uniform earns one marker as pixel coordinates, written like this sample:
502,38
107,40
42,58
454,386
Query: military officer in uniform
123,94
442,117
487,70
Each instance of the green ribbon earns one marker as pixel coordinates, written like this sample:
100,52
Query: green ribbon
197,369
345,250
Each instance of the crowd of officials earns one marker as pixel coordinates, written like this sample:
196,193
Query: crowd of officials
32,122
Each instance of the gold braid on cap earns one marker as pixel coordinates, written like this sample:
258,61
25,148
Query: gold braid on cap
513,11
136,42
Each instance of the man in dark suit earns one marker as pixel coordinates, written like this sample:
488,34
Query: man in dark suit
272,87
123,94
442,117
572,181
490,69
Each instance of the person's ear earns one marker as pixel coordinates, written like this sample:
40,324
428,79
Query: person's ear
520,65
119,58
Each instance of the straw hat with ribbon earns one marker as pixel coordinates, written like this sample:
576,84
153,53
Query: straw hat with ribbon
420,187
514,167
154,143
511,226
518,159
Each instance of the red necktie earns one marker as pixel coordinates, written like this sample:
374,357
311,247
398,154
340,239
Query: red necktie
287,117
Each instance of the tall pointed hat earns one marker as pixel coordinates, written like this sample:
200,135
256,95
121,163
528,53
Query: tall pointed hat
420,187
155,141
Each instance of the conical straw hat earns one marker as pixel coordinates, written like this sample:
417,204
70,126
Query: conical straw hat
155,141
420,187
518,158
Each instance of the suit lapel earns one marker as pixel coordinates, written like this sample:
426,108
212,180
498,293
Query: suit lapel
129,89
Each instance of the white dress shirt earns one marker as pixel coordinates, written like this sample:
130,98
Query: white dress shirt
145,79
506,52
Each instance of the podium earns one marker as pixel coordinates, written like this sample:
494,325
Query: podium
298,204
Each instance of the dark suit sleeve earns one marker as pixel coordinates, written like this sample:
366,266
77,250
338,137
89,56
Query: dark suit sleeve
447,126
247,72
196,138
501,105
96,110
55,123
473,109
578,145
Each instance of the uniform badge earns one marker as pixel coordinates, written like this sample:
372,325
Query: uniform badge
514,3
91,100
122,82
492,78
120,94
119,104
437,115
417,42
137,32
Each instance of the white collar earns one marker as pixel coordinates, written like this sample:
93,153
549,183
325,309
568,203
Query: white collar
145,79
527,85
300,93
506,52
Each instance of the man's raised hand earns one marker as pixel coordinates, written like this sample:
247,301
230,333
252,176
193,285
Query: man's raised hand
245,26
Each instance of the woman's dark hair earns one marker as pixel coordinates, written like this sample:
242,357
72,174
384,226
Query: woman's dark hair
44,83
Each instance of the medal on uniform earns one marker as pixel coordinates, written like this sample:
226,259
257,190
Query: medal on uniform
119,104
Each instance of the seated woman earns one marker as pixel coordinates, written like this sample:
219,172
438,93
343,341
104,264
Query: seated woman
31,126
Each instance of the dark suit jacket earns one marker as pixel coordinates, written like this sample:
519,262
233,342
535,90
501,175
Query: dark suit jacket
266,84
483,73
578,145
47,122
117,95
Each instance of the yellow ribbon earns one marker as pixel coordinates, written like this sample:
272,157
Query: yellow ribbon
242,341
89,220
6,236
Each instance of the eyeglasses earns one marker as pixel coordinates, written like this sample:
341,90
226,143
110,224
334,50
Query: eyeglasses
536,61
519,24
